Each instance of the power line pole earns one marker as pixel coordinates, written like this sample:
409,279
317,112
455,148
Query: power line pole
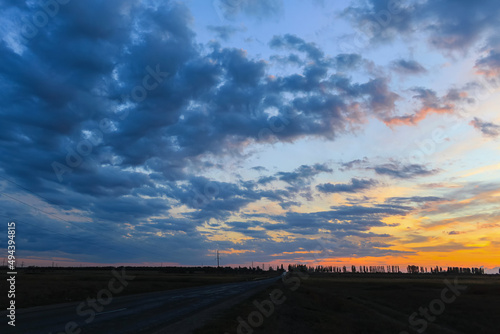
217,258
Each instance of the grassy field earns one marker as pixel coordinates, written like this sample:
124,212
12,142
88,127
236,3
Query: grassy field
51,286
369,304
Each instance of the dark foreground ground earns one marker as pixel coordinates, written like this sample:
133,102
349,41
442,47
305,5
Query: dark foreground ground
368,304
59,285
297,303
176,311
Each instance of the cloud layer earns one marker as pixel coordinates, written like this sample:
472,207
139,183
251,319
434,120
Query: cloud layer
137,131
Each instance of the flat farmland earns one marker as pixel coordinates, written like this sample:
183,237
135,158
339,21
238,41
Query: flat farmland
367,303
60,285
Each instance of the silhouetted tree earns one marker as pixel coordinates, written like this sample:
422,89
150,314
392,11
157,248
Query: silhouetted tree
411,269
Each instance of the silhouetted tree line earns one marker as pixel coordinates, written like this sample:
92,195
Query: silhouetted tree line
343,269
411,269
450,270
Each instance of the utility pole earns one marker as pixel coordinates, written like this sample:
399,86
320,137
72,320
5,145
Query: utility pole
217,258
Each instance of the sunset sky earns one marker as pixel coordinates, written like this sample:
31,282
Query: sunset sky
317,132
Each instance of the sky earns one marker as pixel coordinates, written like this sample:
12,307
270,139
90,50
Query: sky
314,132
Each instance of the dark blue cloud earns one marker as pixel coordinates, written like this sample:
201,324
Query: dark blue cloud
347,61
289,204
414,199
351,164
407,67
378,98
488,129
400,171
292,42
230,9
303,174
224,32
489,65
292,59
354,186
345,219
448,24
259,168
266,179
